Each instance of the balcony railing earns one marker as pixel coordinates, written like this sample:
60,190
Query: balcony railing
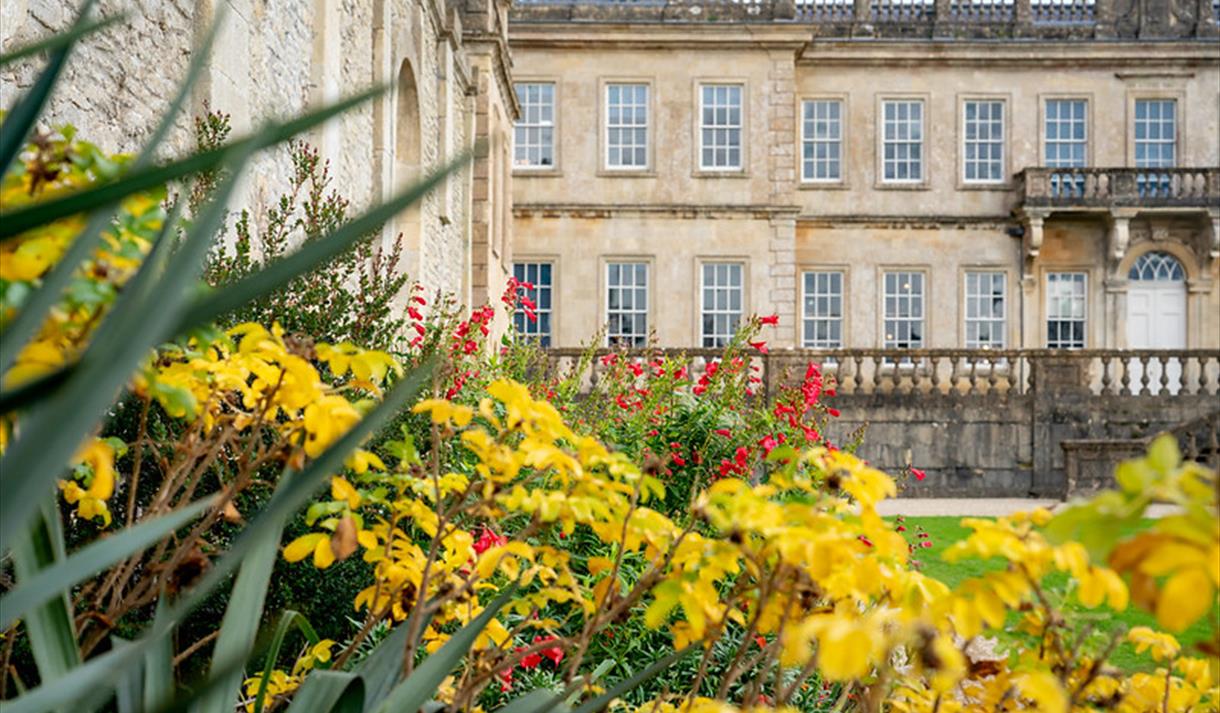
1089,188
955,373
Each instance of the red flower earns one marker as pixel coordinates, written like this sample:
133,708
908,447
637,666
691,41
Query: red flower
768,444
530,661
867,542
834,412
610,359
554,653
414,313
489,539
758,639
678,460
741,455
636,369
772,319
723,432
761,346
919,474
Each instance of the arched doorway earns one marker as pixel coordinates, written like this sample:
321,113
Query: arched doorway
407,158
1156,319
1156,303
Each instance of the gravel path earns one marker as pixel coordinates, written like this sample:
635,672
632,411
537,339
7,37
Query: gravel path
979,507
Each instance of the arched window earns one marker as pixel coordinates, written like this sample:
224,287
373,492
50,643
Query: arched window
1157,267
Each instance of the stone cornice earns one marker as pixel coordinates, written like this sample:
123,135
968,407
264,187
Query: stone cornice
924,222
592,210
1050,53
568,35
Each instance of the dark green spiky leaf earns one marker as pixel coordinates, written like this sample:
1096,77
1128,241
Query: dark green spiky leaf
330,691
294,491
598,704
216,303
48,583
288,619
60,40
421,685
109,193
50,626
20,120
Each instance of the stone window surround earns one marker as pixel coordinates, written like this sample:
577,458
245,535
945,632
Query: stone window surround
960,143
1091,310
1010,279
1180,126
556,131
879,182
845,295
603,285
926,271
603,105
844,181
697,170
556,286
1089,120
700,261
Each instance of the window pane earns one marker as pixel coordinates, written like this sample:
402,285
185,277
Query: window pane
533,134
532,318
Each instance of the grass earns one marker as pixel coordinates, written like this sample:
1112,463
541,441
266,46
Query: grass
944,531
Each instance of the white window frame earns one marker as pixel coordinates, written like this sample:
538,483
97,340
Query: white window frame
728,126
614,338
1160,142
527,330
1048,142
977,298
919,298
919,145
624,126
991,141
811,317
1076,276
523,123
810,142
733,316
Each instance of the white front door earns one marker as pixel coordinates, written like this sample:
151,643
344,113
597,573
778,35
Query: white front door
1156,318
1156,315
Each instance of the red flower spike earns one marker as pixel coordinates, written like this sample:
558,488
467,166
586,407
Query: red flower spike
772,319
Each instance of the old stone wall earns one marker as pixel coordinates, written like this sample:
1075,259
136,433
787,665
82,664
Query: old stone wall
272,60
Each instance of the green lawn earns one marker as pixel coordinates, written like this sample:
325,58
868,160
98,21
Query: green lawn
944,531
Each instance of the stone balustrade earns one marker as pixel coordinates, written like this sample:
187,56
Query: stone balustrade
1003,423
960,372
1104,188
939,19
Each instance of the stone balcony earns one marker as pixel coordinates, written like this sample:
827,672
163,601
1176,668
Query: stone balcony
930,19
1118,195
1094,189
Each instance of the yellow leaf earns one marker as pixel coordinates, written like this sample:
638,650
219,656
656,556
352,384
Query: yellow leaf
303,546
1187,595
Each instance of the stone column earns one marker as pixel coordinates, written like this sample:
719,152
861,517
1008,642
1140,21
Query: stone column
782,274
1115,333
1031,312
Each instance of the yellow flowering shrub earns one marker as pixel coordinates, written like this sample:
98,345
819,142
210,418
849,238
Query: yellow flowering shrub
795,573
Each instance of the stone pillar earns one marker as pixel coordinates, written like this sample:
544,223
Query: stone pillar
782,274
326,73
1115,332
1031,312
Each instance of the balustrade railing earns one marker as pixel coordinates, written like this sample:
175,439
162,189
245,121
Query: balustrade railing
1104,187
956,372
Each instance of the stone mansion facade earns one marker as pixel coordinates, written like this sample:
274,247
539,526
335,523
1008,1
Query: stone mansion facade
886,174
880,174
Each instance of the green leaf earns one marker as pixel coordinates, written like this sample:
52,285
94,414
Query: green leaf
421,685
216,303
601,702
294,491
240,625
61,39
32,391
1163,454
331,691
287,620
50,627
21,118
109,193
46,584
34,311
159,666
127,690
540,701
